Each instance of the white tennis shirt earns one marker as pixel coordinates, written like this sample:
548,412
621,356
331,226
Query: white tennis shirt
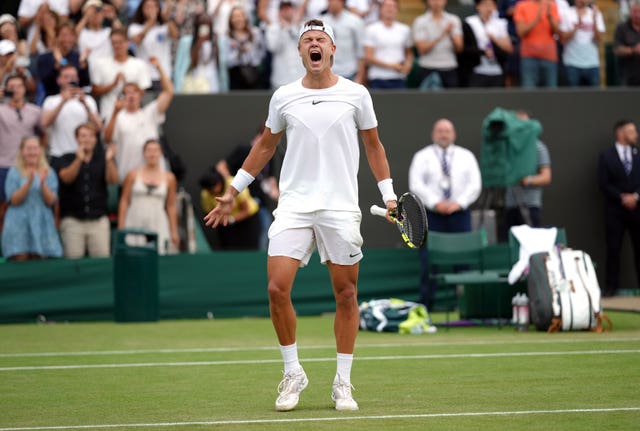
320,167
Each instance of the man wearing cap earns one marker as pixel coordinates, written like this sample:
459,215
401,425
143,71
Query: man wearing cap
12,63
318,205
7,58
9,31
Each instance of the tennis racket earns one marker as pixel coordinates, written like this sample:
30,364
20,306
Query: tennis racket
410,218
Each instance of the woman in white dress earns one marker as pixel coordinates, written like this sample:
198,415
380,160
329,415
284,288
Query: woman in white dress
148,201
205,58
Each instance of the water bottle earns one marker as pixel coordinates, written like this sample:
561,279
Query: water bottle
515,303
523,313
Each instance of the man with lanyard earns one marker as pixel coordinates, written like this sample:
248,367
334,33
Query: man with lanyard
446,177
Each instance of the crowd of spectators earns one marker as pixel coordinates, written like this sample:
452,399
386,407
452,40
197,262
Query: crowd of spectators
211,46
67,66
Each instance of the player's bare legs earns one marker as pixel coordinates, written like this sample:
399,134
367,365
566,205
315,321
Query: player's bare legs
344,279
281,271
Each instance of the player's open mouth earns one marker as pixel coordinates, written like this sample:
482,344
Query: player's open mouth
315,56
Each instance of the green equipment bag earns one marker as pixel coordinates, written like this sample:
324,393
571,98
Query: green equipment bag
509,149
395,315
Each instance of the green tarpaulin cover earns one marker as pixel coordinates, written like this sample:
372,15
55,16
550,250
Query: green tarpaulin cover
508,150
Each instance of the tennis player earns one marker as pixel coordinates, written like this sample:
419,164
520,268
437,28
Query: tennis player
318,206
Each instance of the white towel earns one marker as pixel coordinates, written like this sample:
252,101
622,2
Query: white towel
532,240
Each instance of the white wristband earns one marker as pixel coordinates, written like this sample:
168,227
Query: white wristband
242,180
386,190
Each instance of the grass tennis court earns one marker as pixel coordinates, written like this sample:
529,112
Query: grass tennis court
223,374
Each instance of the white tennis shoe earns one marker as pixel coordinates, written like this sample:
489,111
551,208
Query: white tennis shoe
290,388
341,394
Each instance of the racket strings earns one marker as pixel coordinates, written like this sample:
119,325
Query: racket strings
413,219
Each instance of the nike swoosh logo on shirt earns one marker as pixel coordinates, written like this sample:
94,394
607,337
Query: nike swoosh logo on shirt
315,102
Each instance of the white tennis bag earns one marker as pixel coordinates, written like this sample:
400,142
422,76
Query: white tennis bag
575,292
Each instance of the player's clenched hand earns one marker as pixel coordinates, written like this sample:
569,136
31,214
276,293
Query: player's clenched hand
220,214
392,211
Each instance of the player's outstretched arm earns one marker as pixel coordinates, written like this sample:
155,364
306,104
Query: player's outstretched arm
258,157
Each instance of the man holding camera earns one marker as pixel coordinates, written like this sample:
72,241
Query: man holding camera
63,112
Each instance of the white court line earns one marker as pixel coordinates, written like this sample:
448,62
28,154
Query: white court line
326,419
359,358
303,347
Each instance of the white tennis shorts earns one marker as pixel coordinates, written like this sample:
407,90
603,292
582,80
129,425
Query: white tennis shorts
336,235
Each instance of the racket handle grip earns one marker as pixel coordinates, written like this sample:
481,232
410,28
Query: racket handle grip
378,211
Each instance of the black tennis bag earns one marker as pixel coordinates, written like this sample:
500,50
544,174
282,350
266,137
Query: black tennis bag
539,292
564,294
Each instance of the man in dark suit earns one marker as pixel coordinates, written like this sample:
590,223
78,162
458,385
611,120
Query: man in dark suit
619,177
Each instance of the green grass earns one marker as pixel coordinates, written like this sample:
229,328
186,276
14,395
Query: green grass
223,374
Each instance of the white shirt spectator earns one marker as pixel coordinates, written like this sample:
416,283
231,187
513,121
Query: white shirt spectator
496,27
581,51
62,131
29,8
156,43
390,44
131,131
97,41
443,55
103,71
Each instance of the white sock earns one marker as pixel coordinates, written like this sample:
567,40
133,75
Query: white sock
290,357
344,367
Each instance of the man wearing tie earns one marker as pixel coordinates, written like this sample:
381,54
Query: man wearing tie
446,177
619,177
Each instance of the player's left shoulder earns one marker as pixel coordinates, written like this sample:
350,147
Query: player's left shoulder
352,86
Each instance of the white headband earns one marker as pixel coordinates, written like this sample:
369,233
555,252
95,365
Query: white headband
324,28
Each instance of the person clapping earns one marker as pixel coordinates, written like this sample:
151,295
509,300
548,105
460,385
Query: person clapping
29,231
